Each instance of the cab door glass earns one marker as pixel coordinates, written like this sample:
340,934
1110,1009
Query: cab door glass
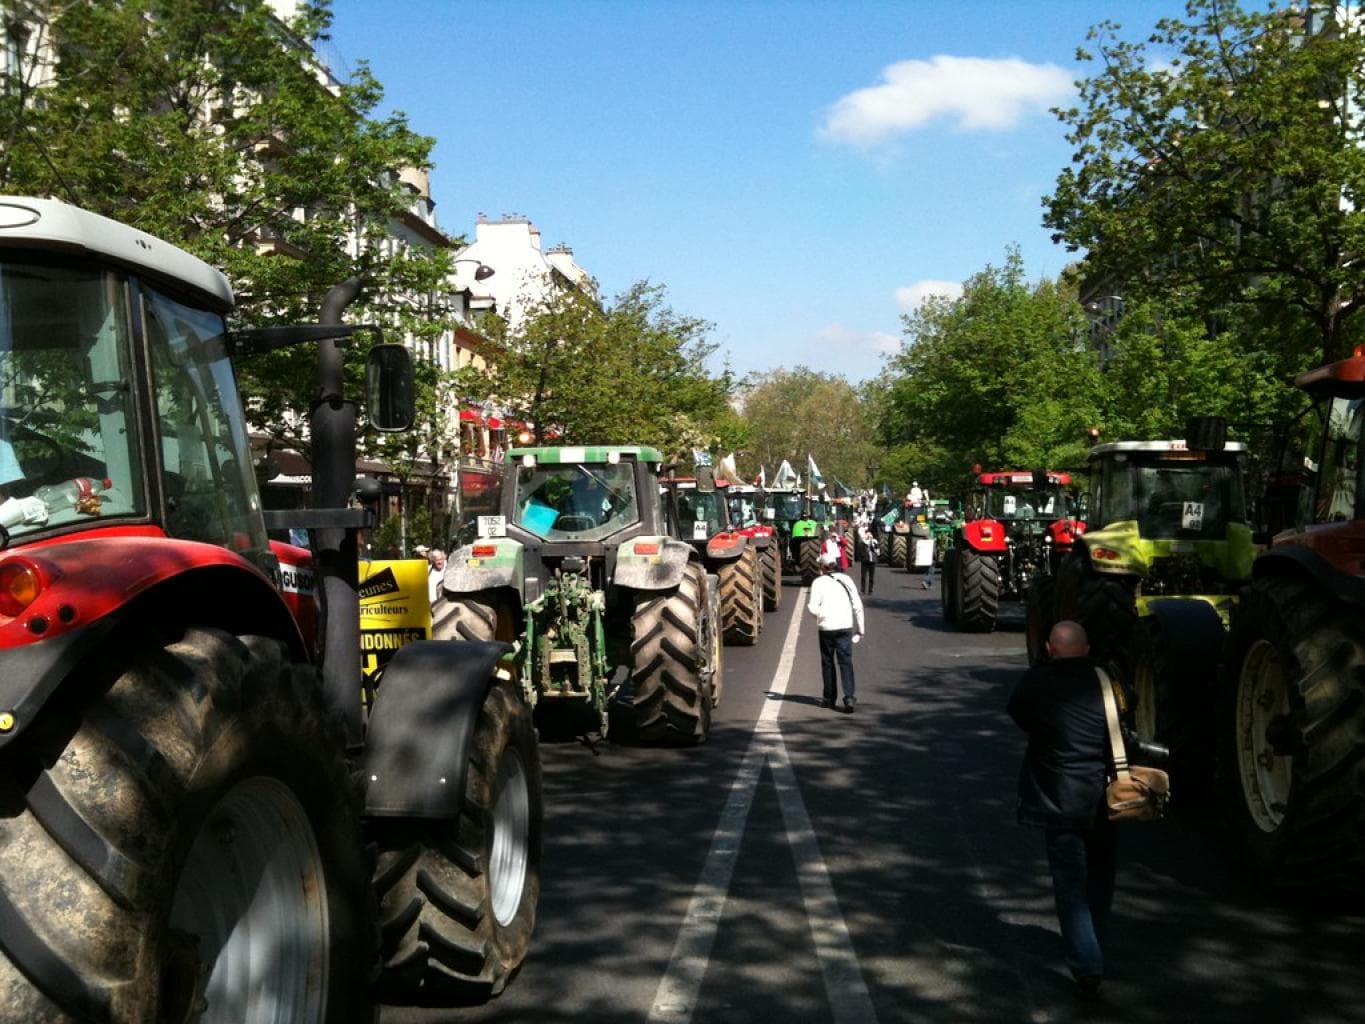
209,486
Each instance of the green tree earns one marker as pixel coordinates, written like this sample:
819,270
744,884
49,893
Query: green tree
795,413
210,124
1000,377
632,372
1220,158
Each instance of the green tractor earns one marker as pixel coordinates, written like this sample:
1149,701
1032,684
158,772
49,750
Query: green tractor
1167,550
579,571
799,519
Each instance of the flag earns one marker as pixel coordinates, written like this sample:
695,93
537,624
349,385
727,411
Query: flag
700,458
762,477
816,480
786,476
728,470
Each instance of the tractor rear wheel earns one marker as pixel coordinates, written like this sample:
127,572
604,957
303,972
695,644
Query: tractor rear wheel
1293,752
188,847
1040,615
770,561
947,590
978,594
810,560
466,617
669,663
458,898
900,548
1104,604
741,598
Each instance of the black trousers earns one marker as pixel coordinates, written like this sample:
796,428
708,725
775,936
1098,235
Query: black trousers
869,575
836,643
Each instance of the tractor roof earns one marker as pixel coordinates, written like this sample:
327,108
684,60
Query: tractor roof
1342,379
1020,478
590,453
52,225
1101,450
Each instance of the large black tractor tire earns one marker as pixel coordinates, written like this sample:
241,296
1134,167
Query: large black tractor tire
900,551
1292,745
1172,671
457,899
809,553
948,588
466,617
1105,605
741,598
186,845
669,663
770,561
1040,615
978,592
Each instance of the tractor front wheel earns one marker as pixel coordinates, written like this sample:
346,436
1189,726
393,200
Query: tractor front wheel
900,548
669,663
188,848
948,588
810,560
1104,604
458,898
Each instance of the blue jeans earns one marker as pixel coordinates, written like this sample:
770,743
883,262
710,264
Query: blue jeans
1083,863
836,642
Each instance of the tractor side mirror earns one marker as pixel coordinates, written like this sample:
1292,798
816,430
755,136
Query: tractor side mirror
389,388
1206,433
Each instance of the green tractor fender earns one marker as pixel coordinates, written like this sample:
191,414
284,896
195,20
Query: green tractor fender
488,564
805,528
652,563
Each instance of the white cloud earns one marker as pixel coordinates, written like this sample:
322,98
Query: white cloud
977,93
911,296
837,338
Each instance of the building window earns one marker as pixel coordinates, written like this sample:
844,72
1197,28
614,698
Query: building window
12,60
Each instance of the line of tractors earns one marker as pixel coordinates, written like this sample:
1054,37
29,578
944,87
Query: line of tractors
209,812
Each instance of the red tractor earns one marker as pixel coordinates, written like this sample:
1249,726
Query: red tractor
1291,714
745,504
697,512
1018,526
200,817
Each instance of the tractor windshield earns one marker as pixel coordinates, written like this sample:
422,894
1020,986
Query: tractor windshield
1026,502
68,432
1174,495
784,507
576,501
700,514
741,510
1336,497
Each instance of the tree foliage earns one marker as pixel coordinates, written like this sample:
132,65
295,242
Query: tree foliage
1001,377
632,372
796,413
210,124
1220,160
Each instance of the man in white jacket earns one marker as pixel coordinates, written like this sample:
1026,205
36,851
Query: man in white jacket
838,610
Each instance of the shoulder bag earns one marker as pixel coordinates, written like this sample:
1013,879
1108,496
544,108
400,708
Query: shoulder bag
1136,792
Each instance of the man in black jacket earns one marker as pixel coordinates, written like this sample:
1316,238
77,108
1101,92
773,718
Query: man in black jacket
1061,789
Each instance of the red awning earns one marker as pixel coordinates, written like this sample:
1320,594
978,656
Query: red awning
494,423
470,416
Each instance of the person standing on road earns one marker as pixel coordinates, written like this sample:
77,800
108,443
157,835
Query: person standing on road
436,571
867,556
1061,789
838,611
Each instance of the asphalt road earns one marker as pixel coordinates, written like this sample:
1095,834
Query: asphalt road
808,866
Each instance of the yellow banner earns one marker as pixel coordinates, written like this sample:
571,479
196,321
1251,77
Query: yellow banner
394,610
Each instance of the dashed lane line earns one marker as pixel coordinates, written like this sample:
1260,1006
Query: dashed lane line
676,998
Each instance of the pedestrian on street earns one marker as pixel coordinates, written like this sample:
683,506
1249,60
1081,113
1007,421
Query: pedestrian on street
1061,789
436,571
867,552
838,611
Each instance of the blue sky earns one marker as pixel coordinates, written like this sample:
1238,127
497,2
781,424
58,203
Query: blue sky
797,173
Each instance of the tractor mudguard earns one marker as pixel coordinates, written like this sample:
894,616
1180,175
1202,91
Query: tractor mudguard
1192,631
726,547
31,674
485,564
1296,560
425,710
985,536
651,563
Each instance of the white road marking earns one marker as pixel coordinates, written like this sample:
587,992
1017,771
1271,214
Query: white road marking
676,998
